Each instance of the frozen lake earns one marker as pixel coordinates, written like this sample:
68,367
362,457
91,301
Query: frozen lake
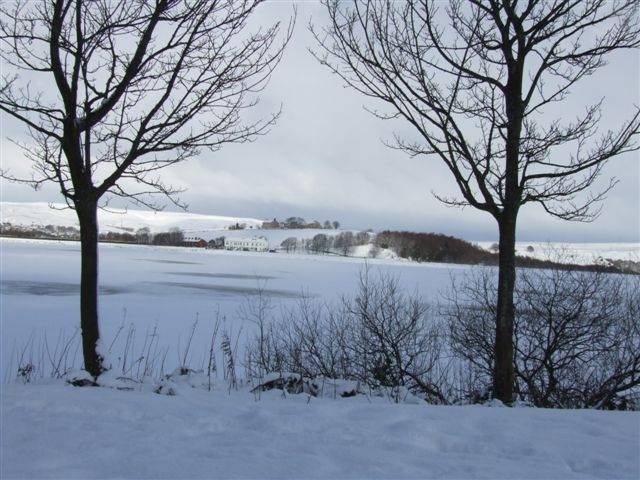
171,287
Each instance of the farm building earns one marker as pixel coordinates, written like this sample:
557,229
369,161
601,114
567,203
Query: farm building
271,225
256,244
194,242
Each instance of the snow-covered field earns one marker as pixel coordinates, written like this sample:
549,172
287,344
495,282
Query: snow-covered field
579,253
57,431
41,213
50,430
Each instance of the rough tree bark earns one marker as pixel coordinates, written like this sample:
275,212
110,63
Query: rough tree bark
503,365
87,212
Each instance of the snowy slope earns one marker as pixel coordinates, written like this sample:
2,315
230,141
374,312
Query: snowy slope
192,224
40,213
581,253
57,431
275,237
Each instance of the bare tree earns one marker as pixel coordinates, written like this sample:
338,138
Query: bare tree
576,335
343,242
477,80
289,244
320,243
143,235
132,86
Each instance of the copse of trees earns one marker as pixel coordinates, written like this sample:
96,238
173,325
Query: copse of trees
320,243
337,244
295,223
174,237
118,237
289,244
38,231
433,247
343,242
143,235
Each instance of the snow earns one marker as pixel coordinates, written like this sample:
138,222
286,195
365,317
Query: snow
172,287
212,226
40,213
580,253
370,251
274,237
193,225
58,431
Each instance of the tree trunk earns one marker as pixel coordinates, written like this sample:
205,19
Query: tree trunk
503,377
87,211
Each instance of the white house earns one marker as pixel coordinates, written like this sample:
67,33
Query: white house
255,244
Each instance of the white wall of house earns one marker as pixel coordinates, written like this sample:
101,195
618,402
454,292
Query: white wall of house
256,244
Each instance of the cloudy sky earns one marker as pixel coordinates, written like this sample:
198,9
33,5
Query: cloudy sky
325,159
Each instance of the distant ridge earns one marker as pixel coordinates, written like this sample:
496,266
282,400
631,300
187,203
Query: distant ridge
117,220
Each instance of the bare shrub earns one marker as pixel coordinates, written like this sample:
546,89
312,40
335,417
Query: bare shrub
576,336
397,343
38,358
263,356
316,340
382,337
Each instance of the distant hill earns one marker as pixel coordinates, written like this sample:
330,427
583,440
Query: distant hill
118,220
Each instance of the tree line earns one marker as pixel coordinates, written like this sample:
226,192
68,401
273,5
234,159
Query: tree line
294,223
341,243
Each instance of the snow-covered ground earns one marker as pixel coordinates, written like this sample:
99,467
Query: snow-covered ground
580,253
57,431
275,237
41,213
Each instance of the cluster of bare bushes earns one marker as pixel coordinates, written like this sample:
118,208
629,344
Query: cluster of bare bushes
382,337
576,336
341,243
577,339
